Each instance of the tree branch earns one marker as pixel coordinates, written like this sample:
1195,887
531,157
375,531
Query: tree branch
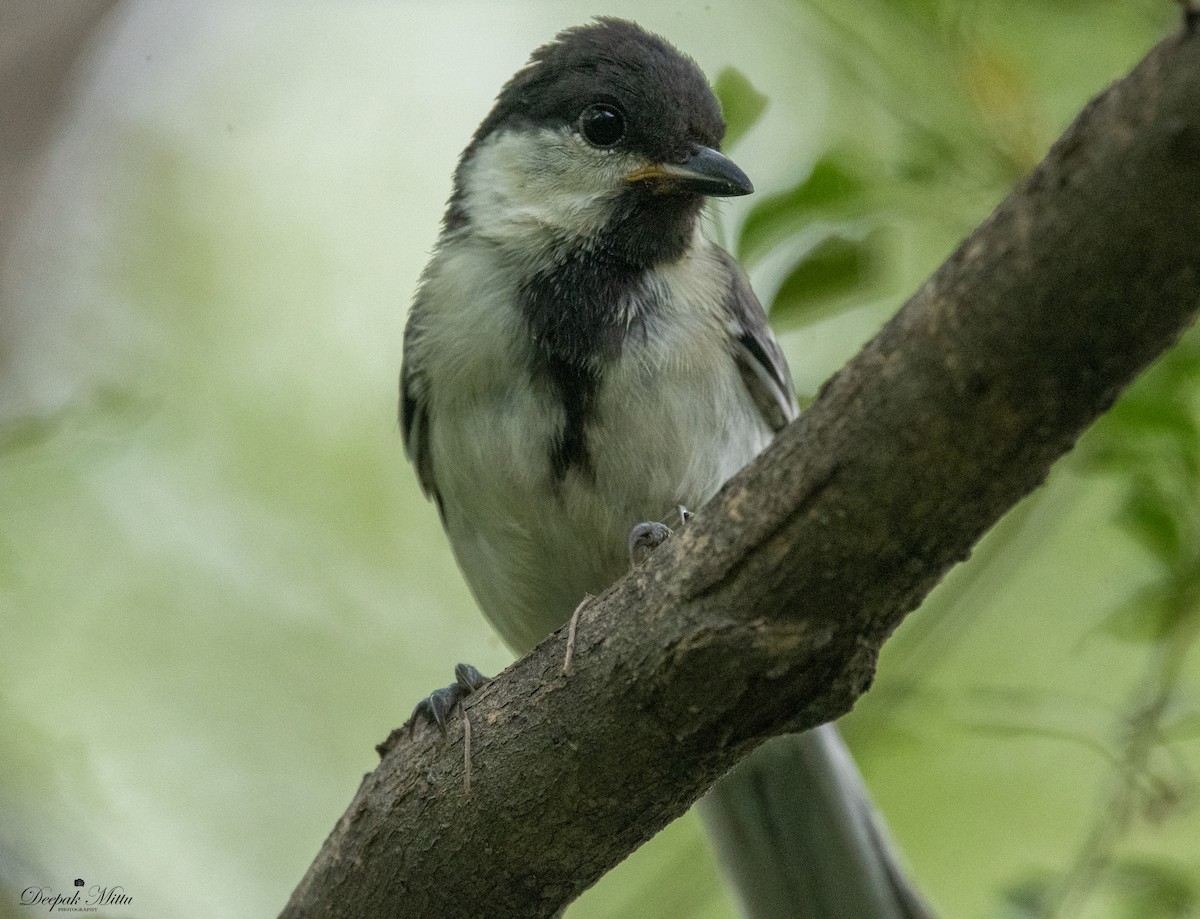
766,614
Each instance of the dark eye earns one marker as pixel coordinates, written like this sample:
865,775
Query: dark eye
602,124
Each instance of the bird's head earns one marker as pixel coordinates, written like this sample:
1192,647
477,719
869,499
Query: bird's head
609,138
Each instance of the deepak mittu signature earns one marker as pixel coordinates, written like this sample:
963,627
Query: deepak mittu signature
77,901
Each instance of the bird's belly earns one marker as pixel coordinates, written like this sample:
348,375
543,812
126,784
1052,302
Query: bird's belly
531,544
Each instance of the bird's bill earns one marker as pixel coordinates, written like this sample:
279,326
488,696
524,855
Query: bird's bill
706,172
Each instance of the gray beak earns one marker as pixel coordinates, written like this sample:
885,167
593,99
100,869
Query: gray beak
705,172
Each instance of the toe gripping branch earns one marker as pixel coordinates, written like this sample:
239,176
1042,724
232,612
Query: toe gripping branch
437,705
644,538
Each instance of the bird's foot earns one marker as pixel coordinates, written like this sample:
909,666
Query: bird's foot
644,538
435,707
439,703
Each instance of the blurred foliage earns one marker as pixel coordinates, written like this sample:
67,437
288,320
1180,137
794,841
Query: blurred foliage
939,107
1150,444
834,189
741,103
836,273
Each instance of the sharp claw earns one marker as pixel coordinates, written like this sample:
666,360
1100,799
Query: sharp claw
437,706
468,678
440,703
420,710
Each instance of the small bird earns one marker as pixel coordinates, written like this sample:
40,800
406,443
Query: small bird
580,359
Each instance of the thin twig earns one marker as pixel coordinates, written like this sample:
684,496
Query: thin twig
466,755
566,667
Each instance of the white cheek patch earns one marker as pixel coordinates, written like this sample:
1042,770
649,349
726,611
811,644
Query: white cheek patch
525,188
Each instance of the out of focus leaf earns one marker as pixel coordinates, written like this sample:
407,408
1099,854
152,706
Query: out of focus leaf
1181,365
1161,796
741,103
834,187
999,729
104,408
1028,898
29,432
1156,413
1001,711
1153,520
1005,103
1148,616
1154,890
1102,454
1149,427
1182,723
825,276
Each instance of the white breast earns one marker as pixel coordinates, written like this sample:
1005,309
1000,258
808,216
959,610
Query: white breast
673,422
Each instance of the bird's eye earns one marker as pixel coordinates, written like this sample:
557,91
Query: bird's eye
602,124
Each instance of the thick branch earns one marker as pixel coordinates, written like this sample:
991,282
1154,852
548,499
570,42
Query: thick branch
766,614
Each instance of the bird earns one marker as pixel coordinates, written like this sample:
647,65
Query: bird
579,361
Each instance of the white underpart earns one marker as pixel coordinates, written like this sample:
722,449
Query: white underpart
673,418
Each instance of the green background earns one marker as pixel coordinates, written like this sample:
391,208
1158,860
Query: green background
220,587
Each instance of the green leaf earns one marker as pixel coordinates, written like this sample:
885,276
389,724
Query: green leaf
833,187
1156,413
826,276
1158,612
741,103
1139,620
1151,518
29,432
1154,890
1182,723
1027,898
1151,428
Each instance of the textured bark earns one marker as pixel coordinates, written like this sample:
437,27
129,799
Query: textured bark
767,613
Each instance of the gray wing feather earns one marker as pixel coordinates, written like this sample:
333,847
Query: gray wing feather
759,359
414,418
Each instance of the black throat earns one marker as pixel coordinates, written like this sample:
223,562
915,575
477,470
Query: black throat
598,295
580,314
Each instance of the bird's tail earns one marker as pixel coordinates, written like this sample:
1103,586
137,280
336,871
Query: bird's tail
798,837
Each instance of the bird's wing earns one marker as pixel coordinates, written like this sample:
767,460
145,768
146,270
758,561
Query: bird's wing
414,418
759,359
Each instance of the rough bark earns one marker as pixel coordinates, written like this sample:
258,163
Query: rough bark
767,612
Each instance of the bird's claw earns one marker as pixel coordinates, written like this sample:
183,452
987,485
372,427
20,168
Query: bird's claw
439,703
644,538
